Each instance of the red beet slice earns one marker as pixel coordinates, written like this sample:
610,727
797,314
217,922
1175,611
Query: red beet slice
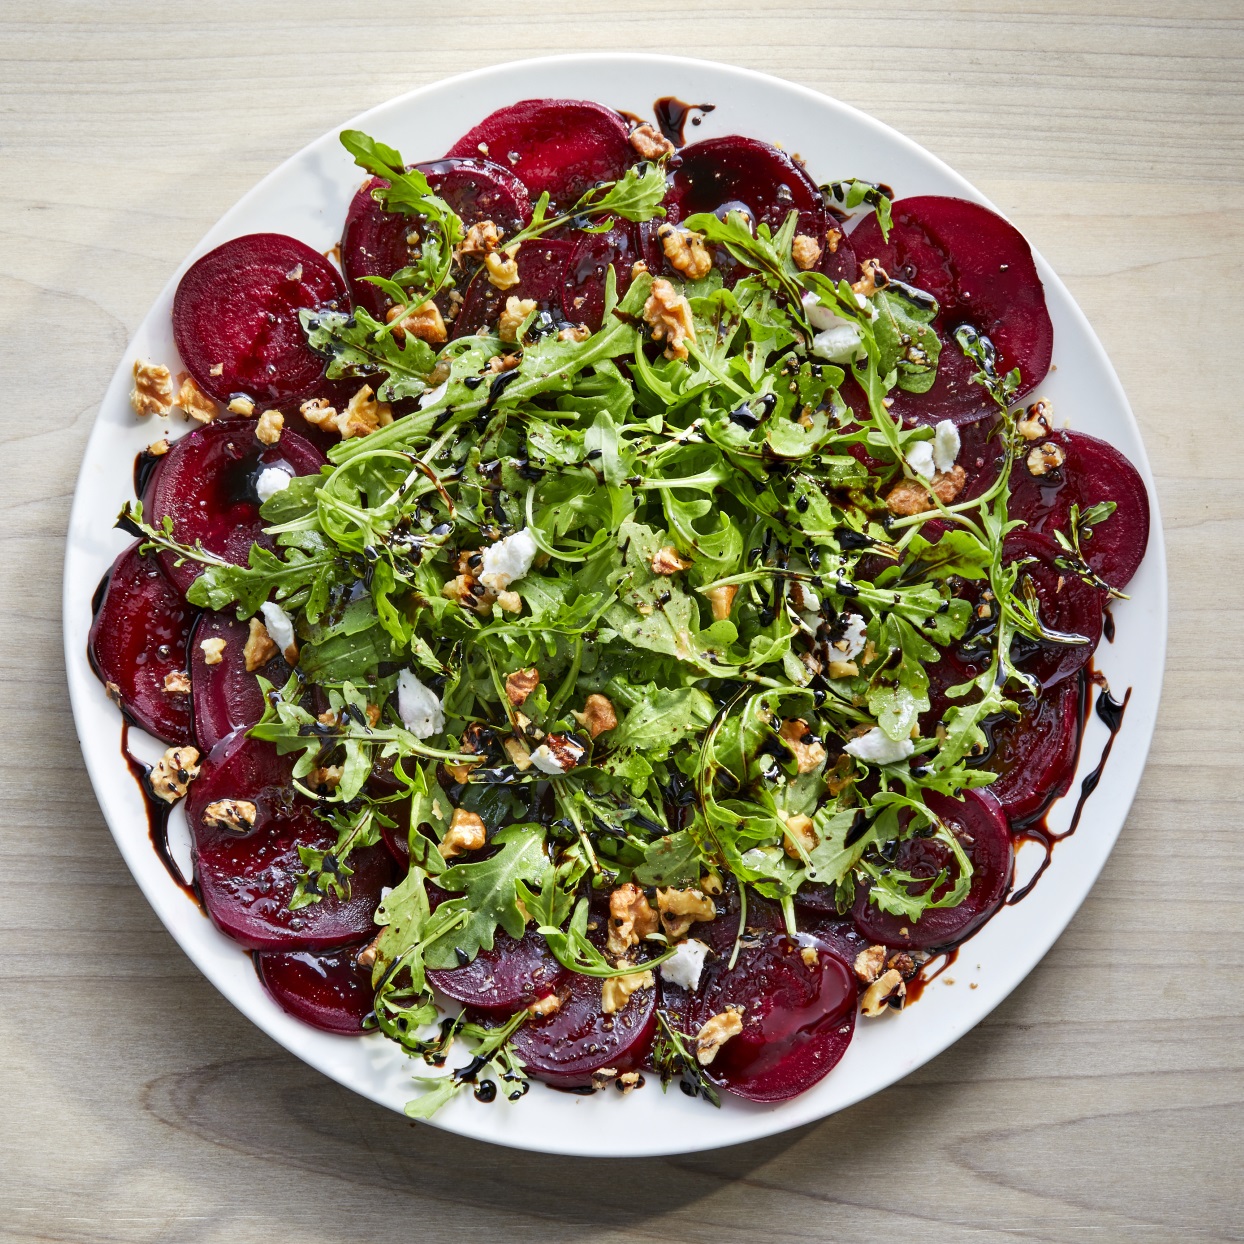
982,454
326,989
138,637
226,697
247,880
1035,756
542,273
565,1048
1092,471
583,298
728,174
798,1017
235,317
564,146
374,241
980,269
981,828
206,483
510,975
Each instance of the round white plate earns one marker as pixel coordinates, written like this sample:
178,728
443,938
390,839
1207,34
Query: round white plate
307,197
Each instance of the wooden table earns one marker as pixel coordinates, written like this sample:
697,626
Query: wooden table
1102,1101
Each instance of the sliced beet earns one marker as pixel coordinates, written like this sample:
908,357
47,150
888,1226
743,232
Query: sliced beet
564,146
565,1048
734,173
226,696
542,273
982,830
798,1015
235,317
326,989
206,484
374,241
587,267
1092,471
1035,756
980,269
138,638
247,879
510,975
982,455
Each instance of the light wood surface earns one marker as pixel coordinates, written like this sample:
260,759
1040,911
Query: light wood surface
1101,1101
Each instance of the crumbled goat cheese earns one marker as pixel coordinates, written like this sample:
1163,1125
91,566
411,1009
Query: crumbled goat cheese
279,625
687,964
836,340
920,459
507,561
853,627
877,746
418,707
432,396
945,445
271,480
546,762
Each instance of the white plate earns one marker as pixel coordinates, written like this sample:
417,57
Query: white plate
307,197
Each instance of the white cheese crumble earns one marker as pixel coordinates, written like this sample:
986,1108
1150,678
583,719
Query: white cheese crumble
507,561
852,635
877,746
271,480
418,706
836,340
546,761
432,396
279,624
945,445
920,459
686,965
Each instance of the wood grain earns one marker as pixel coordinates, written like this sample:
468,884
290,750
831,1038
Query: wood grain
1102,1101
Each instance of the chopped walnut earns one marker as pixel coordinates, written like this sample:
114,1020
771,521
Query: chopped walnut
874,278
629,1081
214,650
616,991
574,332
1045,458
516,311
173,773
465,833
680,909
153,389
502,363
806,252
157,449
424,321
715,1032
113,692
241,406
649,143
510,602
666,561
799,831
325,778
235,815
502,272
482,238
1037,421
832,237
869,963
911,496
467,591
877,996
710,883
631,918
903,963
669,313
520,684
598,714
194,403
517,751
548,1005
809,751
177,683
260,648
269,426
319,413
722,600
685,250
363,415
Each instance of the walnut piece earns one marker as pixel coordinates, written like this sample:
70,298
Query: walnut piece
241,406
874,278
516,311
799,831
809,751
177,683
877,996
502,272
153,389
268,427
319,413
715,1032
260,648
666,561
629,1081
832,237
235,815
669,314
517,751
615,991
685,250
467,591
324,779
911,496
424,321
1044,458
806,252
465,833
631,918
1037,421
548,1005
574,332
520,684
194,403
482,238
173,773
214,650
598,714
680,909
510,602
502,363
363,415
157,449
722,600
868,964
649,143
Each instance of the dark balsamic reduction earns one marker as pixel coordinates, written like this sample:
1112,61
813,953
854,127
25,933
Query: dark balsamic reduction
672,115
144,463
